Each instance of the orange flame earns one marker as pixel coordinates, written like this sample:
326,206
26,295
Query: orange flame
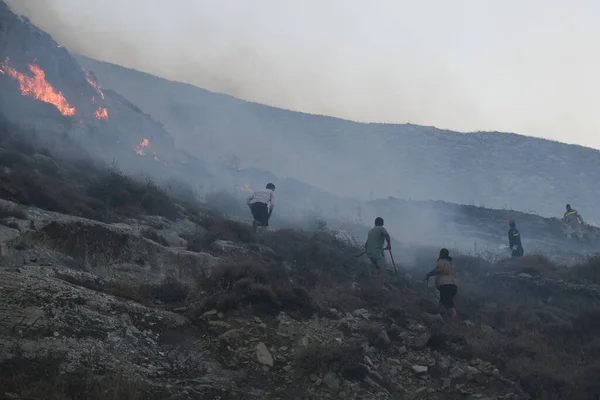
38,88
94,84
140,147
101,113
245,188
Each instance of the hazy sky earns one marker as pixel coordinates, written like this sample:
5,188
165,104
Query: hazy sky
531,67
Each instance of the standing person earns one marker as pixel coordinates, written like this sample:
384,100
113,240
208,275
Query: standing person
262,203
445,281
374,247
574,221
514,240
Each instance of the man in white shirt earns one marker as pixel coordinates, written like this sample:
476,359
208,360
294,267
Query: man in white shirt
262,203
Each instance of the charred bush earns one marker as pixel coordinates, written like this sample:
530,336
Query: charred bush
318,357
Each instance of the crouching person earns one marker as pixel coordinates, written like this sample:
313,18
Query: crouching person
262,203
445,281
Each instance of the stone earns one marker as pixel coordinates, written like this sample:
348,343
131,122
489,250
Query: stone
383,340
421,340
263,355
457,372
313,377
362,313
355,372
331,381
419,369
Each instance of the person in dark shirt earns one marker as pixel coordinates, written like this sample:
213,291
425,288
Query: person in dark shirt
514,240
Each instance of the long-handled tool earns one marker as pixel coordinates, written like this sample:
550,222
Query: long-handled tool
393,263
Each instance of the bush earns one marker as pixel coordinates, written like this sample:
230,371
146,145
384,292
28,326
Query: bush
266,290
155,237
322,358
217,228
8,211
64,179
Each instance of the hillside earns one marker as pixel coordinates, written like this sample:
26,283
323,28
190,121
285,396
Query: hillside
45,90
43,87
496,170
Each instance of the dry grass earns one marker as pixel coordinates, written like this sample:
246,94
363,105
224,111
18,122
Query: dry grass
321,358
53,178
266,289
41,379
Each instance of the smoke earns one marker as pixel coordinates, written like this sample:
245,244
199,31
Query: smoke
382,63
507,66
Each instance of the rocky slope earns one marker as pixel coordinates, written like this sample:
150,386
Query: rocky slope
43,86
90,302
171,309
495,170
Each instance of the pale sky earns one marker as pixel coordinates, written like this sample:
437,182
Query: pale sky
530,67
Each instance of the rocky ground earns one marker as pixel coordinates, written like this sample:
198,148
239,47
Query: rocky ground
85,304
195,308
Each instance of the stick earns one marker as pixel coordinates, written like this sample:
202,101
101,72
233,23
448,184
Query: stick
358,255
393,263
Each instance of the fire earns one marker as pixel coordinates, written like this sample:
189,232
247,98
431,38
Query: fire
101,113
94,84
38,88
140,147
245,188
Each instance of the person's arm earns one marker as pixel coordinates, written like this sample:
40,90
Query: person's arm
580,218
249,199
433,272
510,240
386,235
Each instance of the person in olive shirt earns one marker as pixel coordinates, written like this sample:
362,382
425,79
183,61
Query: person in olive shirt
374,246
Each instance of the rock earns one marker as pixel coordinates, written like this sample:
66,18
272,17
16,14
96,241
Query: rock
471,371
362,313
219,324
313,377
457,372
225,246
287,368
421,340
263,355
402,350
446,383
419,369
231,337
355,372
383,340
368,361
304,341
331,381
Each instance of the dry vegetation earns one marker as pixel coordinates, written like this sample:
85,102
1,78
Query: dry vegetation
61,177
553,352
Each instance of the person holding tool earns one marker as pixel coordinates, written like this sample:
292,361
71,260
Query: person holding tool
374,247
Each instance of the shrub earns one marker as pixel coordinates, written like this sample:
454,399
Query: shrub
322,358
155,237
7,211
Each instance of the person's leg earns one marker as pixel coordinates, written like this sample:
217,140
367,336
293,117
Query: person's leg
263,217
